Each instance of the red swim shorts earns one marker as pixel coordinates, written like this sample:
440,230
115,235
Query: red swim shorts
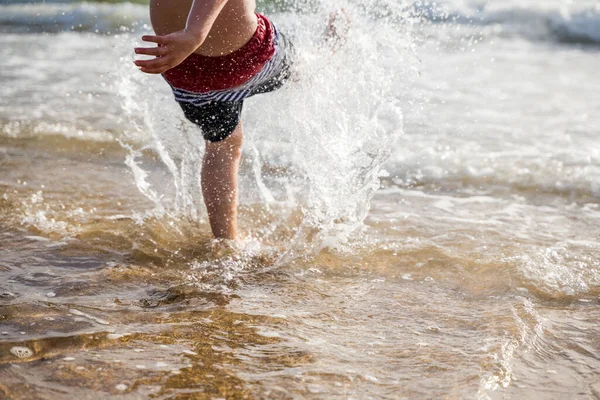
211,90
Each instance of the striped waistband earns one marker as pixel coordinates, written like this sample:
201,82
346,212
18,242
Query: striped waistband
268,71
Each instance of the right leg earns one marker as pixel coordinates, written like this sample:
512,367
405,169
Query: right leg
222,131
219,179
337,29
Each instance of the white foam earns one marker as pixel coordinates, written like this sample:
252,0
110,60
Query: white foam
89,316
114,336
558,270
37,238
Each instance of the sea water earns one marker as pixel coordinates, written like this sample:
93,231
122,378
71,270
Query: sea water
420,209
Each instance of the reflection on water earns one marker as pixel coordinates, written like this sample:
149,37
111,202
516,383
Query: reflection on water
96,305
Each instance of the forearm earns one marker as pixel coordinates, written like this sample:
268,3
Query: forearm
202,17
175,47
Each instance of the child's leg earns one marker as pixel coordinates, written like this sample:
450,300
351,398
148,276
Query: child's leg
220,183
337,29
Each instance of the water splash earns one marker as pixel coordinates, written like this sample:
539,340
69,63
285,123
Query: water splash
164,152
318,145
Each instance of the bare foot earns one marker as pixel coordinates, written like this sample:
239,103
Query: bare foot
220,248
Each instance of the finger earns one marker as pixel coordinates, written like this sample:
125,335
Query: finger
153,71
154,63
152,51
156,70
155,39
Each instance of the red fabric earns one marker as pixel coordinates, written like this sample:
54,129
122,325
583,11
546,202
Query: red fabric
201,74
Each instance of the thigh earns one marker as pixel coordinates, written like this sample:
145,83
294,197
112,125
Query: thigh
216,119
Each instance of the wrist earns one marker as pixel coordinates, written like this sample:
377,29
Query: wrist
194,32
194,38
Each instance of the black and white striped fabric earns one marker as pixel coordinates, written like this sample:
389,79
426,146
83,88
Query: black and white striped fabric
272,75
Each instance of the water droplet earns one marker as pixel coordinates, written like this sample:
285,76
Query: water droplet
121,387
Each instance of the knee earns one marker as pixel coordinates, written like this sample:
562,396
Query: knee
236,141
229,148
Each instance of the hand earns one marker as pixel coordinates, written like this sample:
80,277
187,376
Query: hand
171,51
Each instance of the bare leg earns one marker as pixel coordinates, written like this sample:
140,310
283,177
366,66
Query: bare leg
220,184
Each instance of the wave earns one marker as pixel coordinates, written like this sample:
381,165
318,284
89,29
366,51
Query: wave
100,18
580,26
569,27
542,177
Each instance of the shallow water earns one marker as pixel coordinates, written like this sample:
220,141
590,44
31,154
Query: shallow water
422,220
